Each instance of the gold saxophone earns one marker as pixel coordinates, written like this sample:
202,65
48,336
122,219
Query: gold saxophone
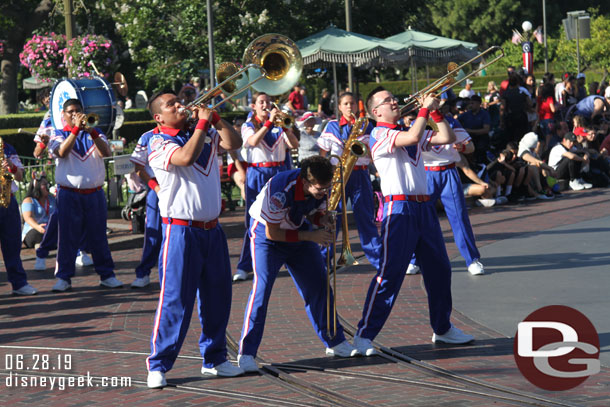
6,180
353,150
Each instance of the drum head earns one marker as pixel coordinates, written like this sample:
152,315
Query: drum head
95,94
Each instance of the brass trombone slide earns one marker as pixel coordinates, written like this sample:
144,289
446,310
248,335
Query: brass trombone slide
231,85
448,81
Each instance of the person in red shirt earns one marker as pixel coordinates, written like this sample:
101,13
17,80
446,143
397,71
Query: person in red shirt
296,103
546,110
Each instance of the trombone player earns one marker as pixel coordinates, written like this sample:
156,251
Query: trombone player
410,223
281,226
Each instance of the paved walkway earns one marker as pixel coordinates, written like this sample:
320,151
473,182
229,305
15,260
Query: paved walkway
536,254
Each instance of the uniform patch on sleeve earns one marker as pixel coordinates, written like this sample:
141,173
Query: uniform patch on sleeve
277,201
156,142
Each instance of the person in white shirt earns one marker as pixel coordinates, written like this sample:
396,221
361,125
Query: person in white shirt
467,92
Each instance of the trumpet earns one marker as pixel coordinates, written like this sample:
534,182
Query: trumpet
449,80
282,119
90,120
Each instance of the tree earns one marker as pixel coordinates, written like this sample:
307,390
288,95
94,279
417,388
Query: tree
18,20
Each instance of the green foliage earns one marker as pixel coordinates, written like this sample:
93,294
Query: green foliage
594,52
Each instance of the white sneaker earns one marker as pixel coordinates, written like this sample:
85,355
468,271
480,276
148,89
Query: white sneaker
156,380
224,369
585,184
453,335
83,260
25,290
575,185
364,346
413,269
111,282
140,282
476,268
61,285
487,203
342,350
247,363
240,275
40,264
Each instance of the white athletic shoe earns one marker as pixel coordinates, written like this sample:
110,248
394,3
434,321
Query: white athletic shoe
83,260
453,335
413,269
225,369
365,346
61,285
476,268
575,185
342,350
247,363
156,380
585,184
40,264
484,202
25,290
140,282
111,282
240,275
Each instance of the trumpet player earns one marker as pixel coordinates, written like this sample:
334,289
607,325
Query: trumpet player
11,169
410,224
358,188
79,151
281,230
265,144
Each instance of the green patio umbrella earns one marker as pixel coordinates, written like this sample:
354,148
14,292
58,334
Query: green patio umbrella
334,45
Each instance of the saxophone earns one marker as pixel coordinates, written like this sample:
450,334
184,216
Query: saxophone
6,180
352,150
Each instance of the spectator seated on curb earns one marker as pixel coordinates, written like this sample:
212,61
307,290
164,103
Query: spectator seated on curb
36,209
529,146
568,164
503,174
475,187
599,174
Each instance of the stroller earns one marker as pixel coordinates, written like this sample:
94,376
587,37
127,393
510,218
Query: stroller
135,211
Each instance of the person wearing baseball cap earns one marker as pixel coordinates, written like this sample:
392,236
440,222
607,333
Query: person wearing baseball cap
568,164
467,92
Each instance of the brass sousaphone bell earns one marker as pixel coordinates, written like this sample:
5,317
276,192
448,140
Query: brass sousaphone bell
272,63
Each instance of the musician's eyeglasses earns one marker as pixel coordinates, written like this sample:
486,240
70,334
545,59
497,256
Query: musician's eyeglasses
388,100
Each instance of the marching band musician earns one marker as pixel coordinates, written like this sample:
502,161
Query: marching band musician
152,233
10,225
358,188
410,224
444,184
195,256
81,204
281,233
265,145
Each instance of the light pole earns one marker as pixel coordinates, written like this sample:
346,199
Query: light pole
348,27
546,51
211,43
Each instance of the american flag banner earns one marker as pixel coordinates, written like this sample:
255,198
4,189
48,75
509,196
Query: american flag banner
528,56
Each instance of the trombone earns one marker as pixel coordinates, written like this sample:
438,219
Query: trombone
272,64
449,81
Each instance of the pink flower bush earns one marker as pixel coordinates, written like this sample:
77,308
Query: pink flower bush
43,55
49,56
82,51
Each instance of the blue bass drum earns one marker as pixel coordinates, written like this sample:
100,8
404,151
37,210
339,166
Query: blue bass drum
96,95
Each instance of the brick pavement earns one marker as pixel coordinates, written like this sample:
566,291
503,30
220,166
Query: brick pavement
106,332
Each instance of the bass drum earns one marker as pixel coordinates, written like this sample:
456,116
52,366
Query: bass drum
95,94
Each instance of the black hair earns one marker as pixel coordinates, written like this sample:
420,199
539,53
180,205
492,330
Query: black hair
154,97
72,102
511,145
34,189
44,93
317,169
369,99
508,155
